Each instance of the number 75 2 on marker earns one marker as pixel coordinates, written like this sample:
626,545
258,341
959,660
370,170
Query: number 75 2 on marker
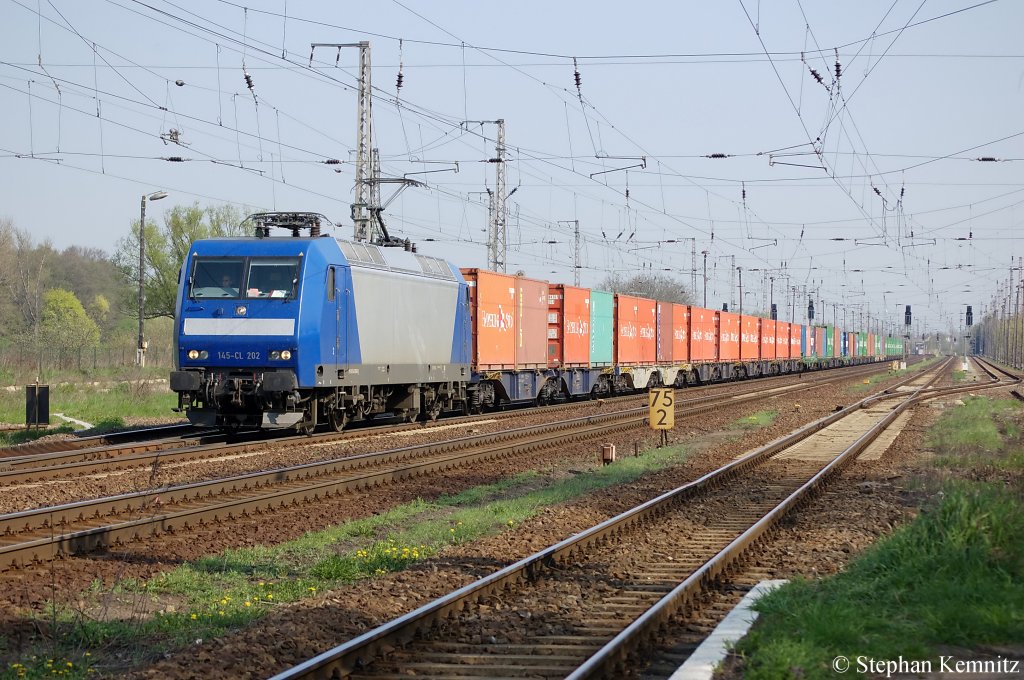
662,402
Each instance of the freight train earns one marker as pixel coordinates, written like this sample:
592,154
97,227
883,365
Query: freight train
292,331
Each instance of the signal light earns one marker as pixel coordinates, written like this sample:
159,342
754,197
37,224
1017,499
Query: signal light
970,316
775,312
810,310
906,316
725,306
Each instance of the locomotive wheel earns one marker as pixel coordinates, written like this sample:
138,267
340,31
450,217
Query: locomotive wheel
308,422
306,426
337,418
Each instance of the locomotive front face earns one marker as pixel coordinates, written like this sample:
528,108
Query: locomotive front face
238,336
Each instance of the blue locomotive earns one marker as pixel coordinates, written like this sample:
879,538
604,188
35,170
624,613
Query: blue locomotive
288,331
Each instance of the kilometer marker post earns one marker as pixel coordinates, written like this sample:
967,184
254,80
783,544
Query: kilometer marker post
662,411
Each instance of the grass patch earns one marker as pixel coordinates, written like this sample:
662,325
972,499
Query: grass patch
15,437
213,595
980,426
955,576
95,404
756,420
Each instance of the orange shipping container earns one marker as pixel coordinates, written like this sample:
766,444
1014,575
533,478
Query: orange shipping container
703,334
819,341
767,339
871,344
729,336
635,330
782,347
680,332
568,326
492,299
795,331
665,315
531,323
750,338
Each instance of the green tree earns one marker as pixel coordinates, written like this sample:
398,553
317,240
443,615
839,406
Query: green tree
166,248
652,286
99,309
65,325
88,273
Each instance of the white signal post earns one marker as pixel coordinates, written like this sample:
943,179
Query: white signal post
662,410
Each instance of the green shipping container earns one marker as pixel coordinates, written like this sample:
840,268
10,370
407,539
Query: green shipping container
830,345
862,344
602,333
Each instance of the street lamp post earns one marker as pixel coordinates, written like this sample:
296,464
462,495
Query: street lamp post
140,352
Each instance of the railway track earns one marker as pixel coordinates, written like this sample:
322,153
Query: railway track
99,441
581,608
994,370
56,464
41,534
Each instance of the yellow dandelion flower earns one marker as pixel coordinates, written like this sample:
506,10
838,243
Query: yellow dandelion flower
194,617
248,603
223,602
221,613
270,596
511,523
262,584
312,589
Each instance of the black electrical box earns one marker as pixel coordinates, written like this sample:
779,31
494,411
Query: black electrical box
37,405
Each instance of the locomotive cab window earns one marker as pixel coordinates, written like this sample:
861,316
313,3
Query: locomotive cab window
217,277
272,277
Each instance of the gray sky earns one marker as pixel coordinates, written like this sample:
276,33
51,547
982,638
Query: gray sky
867,191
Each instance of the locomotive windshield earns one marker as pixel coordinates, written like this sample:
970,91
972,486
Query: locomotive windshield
235,277
273,277
217,277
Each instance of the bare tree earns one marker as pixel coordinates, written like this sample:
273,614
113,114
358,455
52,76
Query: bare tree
659,287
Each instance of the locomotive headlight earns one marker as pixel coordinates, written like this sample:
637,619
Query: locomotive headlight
203,354
275,355
286,354
193,354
